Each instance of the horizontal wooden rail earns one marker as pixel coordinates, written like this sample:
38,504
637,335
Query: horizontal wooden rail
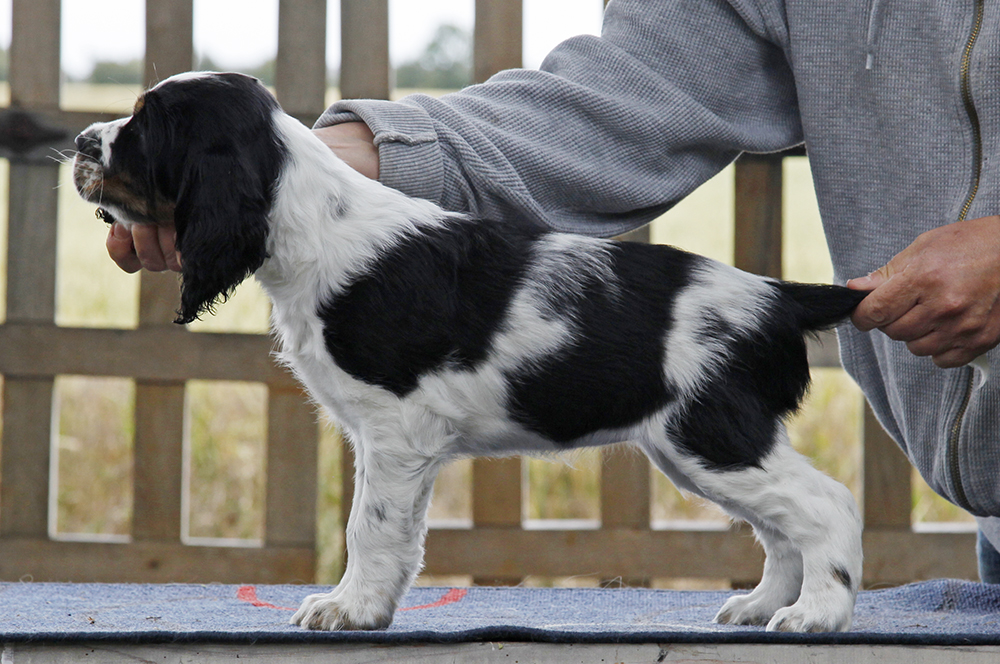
158,353
152,562
703,553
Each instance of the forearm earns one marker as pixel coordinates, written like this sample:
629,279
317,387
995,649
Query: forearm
610,133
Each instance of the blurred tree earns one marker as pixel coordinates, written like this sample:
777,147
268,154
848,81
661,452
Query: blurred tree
122,73
444,64
4,64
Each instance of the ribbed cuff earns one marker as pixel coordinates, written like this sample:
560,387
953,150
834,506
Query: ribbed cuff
409,154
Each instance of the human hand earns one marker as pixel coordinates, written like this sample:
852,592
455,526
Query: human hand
144,246
940,295
354,143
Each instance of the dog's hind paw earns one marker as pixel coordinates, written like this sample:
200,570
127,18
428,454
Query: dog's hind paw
752,609
333,611
800,617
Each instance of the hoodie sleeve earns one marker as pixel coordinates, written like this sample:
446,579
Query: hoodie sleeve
609,133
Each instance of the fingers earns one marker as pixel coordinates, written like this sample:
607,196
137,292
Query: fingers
940,295
890,300
143,246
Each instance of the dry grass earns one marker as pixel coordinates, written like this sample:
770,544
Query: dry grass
227,421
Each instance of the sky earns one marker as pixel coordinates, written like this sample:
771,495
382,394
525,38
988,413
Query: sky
249,36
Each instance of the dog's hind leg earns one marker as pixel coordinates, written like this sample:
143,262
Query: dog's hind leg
817,516
385,538
779,586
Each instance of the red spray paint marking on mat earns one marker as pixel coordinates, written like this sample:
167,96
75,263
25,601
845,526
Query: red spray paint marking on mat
450,597
249,594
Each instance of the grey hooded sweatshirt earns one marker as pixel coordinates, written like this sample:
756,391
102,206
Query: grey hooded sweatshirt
898,104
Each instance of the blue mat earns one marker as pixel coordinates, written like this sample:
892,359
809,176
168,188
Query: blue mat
932,613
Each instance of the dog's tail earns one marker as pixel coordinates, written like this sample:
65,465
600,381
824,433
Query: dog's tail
819,306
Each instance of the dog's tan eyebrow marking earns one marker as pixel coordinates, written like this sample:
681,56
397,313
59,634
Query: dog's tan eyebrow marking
139,103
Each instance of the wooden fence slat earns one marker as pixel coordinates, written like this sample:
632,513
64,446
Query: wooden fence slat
497,37
497,501
24,467
625,488
292,449
169,39
158,461
34,53
151,562
364,49
758,190
300,67
159,405
31,267
886,478
890,556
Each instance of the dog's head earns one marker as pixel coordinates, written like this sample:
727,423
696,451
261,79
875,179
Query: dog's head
200,151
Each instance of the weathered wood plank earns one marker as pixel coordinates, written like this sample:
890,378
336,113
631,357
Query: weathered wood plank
625,488
300,68
491,652
758,184
714,554
292,449
606,553
34,53
169,39
497,505
364,49
31,242
151,562
158,465
497,37
886,478
24,466
157,353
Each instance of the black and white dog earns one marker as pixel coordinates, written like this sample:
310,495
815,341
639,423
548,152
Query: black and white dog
428,336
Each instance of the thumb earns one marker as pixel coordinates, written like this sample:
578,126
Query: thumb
871,281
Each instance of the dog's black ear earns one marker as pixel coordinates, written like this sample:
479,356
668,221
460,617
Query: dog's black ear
221,221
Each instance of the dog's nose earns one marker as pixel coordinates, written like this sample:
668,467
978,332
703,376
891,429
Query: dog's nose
88,145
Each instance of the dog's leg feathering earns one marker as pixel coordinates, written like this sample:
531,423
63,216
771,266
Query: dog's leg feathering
385,543
779,586
810,513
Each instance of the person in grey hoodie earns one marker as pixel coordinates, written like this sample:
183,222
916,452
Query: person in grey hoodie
899,110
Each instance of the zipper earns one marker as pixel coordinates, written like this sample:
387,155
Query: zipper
970,108
953,456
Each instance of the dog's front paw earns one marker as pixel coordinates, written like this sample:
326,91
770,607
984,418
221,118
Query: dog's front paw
337,611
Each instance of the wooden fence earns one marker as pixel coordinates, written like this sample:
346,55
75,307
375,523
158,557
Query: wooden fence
161,357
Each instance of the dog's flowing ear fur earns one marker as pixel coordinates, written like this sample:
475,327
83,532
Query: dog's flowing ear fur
221,221
214,152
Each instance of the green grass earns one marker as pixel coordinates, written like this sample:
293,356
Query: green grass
227,421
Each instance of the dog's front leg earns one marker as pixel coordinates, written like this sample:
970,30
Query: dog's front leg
385,541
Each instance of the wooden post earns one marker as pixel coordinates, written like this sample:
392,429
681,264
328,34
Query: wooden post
496,37
292,437
159,405
625,495
497,503
31,269
758,183
169,39
364,44
886,479
300,68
